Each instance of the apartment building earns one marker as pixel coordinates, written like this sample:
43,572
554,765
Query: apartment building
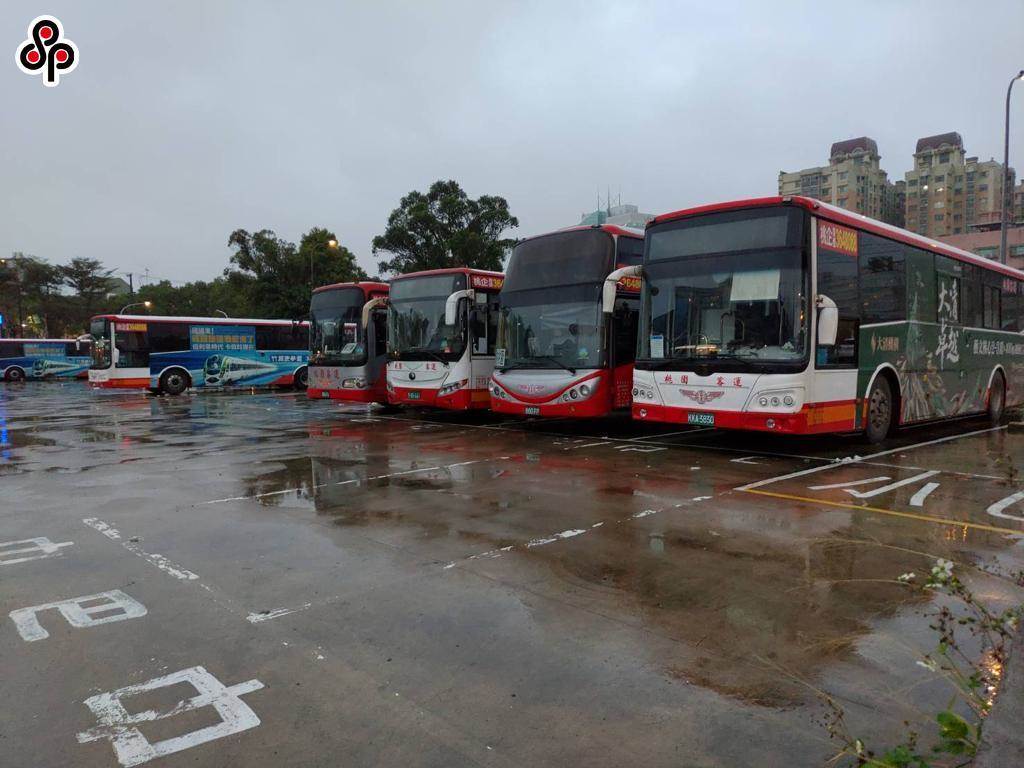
948,193
853,179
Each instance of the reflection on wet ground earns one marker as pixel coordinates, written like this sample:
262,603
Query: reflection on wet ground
740,572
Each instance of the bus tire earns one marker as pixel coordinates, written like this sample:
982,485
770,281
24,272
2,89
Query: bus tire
15,374
301,380
174,382
880,411
997,399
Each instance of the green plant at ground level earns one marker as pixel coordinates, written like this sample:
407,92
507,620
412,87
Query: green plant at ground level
974,680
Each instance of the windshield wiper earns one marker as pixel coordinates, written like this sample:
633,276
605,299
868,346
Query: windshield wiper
556,361
432,353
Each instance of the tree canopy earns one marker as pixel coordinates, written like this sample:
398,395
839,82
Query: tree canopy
444,227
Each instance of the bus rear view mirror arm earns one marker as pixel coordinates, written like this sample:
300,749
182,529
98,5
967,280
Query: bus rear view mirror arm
372,304
451,306
611,285
828,321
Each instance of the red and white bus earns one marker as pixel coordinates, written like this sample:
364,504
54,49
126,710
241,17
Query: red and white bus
442,327
568,324
788,315
168,355
348,342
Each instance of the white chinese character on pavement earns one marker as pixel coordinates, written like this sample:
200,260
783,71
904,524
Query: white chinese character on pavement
115,604
12,552
132,748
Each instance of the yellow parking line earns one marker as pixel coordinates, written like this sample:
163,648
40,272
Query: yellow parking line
893,512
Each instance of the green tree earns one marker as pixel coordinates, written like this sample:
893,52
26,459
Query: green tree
326,260
446,228
90,281
277,278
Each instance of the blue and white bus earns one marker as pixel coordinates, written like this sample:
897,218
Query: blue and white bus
22,359
168,355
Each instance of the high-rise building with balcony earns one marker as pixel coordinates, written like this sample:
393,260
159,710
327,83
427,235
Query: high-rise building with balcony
950,194
853,179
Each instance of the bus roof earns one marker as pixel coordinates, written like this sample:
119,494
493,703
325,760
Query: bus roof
53,341
205,320
367,285
611,229
843,216
450,271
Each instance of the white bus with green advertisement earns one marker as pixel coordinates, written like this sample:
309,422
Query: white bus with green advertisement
788,315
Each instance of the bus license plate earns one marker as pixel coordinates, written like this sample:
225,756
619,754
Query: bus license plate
413,394
532,410
701,419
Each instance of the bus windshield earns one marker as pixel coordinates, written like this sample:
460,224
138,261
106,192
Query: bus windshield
727,287
99,329
336,333
551,301
416,327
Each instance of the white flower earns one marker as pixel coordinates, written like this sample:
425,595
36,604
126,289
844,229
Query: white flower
906,577
928,664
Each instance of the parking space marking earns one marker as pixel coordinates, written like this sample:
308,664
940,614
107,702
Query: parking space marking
132,545
865,459
78,614
999,508
132,748
891,512
568,534
40,545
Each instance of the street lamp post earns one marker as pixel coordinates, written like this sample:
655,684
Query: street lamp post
333,245
146,304
1003,255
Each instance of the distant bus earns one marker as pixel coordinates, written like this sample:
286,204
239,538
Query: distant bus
22,359
348,342
793,316
167,355
442,327
567,329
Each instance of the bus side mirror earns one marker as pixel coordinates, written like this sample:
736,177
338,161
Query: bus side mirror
451,306
611,285
828,321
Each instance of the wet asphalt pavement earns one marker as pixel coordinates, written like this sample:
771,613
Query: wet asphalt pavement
274,581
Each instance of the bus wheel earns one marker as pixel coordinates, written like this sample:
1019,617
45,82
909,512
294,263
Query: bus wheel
301,378
997,399
173,383
880,411
15,374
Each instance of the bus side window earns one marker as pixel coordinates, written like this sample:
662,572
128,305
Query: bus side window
990,305
1013,304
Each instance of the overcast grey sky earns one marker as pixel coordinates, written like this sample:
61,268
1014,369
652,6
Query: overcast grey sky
185,120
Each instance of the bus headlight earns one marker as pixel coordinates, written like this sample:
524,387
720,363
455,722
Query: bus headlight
353,384
579,392
452,388
584,390
779,399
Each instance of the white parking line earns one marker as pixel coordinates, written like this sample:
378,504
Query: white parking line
161,562
865,459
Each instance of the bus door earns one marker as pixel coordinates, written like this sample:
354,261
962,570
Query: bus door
483,334
377,353
622,332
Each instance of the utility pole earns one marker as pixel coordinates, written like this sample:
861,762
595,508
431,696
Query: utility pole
1003,256
131,285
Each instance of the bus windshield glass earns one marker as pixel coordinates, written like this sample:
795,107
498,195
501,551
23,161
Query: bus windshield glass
99,329
336,336
551,301
552,328
727,286
416,327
